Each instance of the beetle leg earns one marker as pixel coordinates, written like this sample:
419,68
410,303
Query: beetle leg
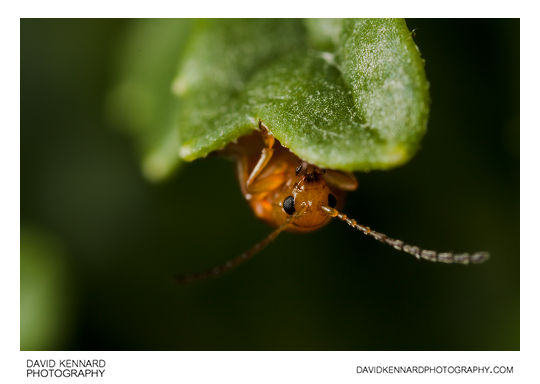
266,154
266,184
242,170
339,179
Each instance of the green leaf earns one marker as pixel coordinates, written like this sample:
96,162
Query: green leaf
362,107
221,59
341,94
142,102
312,113
382,66
323,34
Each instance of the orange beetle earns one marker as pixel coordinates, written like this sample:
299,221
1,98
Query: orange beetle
284,190
296,196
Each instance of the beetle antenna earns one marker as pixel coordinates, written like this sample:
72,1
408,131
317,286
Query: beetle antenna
220,269
419,253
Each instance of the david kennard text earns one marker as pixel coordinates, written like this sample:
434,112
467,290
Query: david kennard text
65,368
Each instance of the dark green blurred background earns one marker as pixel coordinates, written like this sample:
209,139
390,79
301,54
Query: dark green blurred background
99,244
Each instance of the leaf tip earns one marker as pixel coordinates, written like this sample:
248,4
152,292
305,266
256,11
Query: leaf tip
156,167
184,151
397,154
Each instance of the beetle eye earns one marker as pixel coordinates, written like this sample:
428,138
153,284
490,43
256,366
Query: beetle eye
288,205
332,201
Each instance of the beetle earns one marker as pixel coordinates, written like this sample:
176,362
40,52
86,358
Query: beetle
294,195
